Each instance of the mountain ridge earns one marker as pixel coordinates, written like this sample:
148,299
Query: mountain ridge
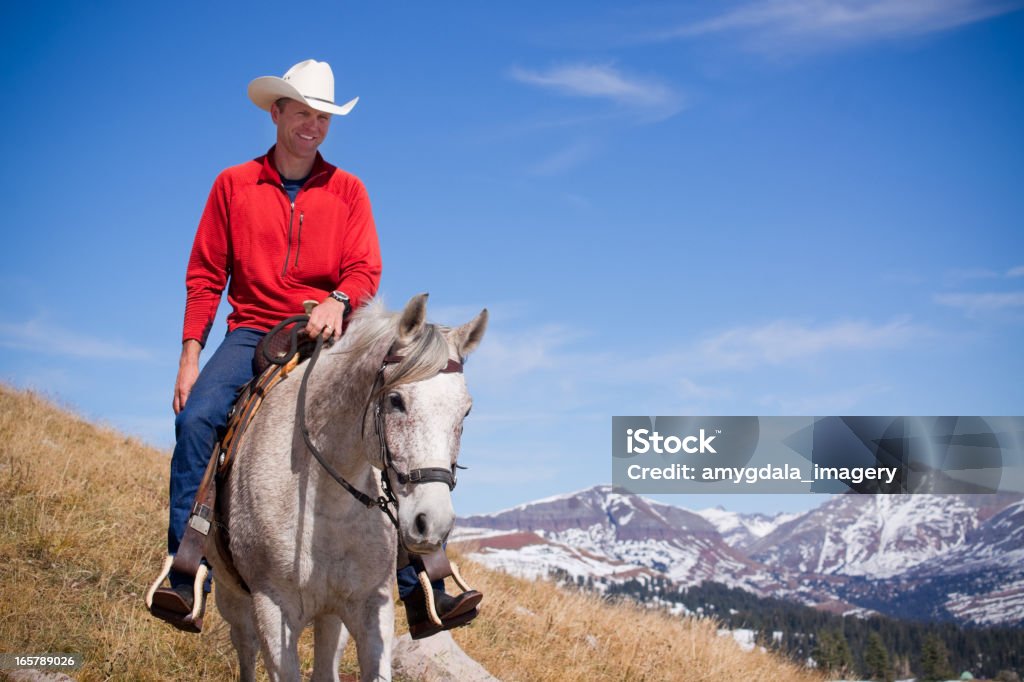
852,553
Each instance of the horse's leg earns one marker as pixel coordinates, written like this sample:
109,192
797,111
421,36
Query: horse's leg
372,623
329,640
279,631
236,609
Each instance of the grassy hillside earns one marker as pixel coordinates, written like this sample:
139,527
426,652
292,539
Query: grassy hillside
82,523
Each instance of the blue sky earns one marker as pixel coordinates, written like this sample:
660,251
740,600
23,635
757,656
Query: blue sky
771,207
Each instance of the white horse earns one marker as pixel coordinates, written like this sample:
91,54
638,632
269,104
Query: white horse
307,550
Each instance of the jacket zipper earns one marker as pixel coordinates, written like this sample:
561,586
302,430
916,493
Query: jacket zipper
298,242
288,252
291,222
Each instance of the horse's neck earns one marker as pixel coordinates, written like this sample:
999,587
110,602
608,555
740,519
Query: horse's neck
336,403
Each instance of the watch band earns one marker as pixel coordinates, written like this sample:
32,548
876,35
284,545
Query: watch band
340,297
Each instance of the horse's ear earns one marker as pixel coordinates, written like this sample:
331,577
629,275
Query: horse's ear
467,337
413,318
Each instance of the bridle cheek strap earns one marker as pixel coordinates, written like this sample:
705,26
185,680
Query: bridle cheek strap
416,476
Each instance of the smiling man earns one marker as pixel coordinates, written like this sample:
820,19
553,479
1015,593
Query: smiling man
281,229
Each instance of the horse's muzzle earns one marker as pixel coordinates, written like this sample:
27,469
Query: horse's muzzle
424,525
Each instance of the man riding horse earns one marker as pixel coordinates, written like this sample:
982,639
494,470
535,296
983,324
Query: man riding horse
278,230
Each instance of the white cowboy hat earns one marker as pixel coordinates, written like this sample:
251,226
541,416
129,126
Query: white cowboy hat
310,81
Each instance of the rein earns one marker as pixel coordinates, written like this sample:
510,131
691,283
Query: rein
415,477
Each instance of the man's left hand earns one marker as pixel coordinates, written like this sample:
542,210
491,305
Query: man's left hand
326,319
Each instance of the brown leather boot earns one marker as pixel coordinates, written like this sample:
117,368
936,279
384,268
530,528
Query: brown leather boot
174,605
453,611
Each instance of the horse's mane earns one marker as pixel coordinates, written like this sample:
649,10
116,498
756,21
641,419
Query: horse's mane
375,329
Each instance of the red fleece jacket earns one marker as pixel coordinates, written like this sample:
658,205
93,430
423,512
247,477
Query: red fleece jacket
278,254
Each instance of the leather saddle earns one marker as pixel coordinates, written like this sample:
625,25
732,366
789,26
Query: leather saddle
276,356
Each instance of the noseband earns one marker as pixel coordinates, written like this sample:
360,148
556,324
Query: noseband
414,477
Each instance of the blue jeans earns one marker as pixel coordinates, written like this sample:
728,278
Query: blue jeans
408,581
201,425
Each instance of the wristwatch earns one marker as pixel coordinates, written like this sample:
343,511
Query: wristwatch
341,298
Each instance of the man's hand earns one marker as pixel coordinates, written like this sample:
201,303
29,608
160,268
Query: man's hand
326,319
188,371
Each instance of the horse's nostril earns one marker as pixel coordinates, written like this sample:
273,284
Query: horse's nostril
421,524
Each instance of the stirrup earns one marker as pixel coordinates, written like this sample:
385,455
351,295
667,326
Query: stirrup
190,621
428,591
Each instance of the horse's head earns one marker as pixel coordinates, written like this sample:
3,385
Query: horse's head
418,410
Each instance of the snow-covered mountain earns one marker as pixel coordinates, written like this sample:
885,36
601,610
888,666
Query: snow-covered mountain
869,535
983,579
742,530
941,556
602,532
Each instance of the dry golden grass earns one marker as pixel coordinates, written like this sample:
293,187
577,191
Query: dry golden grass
82,522
537,631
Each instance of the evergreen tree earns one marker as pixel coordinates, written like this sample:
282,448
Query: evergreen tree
983,651
843,656
824,650
935,660
833,652
902,668
876,659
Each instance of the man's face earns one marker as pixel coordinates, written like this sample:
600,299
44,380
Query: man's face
300,128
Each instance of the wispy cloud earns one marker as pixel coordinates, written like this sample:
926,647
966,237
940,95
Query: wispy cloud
793,25
959,275
562,371
643,95
741,348
843,401
44,337
982,302
783,341
688,389
505,356
578,201
979,302
564,159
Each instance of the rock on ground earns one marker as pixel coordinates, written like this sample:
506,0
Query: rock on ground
437,659
32,675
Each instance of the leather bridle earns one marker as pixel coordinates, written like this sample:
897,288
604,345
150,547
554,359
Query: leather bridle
413,477
416,476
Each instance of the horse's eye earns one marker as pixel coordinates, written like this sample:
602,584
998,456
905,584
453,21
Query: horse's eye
467,413
397,402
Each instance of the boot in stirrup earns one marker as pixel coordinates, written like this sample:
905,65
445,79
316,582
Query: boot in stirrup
452,612
178,605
